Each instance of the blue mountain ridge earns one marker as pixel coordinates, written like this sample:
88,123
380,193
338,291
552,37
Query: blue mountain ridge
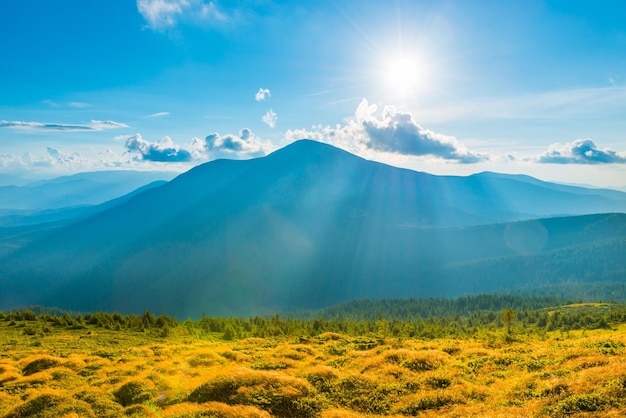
311,225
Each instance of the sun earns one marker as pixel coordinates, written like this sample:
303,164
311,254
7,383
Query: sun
401,73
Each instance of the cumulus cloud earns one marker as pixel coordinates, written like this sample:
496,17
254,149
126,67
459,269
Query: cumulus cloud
270,118
63,158
393,132
163,151
246,144
163,14
262,95
94,125
25,161
581,151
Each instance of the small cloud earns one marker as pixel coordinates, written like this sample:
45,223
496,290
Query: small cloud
94,125
163,151
394,132
270,118
164,14
245,144
581,151
397,132
78,105
159,115
63,158
262,95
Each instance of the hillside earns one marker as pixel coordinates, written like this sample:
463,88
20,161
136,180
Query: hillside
311,225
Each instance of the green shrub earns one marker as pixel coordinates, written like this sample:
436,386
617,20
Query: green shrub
606,346
423,404
28,315
420,364
218,390
36,407
281,397
132,393
30,330
101,404
360,394
39,365
269,365
438,382
578,403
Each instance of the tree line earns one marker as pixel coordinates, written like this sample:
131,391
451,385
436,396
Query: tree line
400,318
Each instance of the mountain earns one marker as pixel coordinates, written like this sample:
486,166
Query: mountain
311,225
80,189
67,214
19,230
11,180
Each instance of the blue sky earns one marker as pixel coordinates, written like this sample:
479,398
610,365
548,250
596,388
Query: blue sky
448,87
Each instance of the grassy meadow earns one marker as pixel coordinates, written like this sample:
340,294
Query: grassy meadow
63,366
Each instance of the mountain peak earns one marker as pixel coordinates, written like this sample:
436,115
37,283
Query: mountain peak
306,148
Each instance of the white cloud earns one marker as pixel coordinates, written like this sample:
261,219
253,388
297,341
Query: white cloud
94,125
394,132
244,145
580,151
63,158
55,158
163,14
78,105
159,115
262,95
270,118
163,151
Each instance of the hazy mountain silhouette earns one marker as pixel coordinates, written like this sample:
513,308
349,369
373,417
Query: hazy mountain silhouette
311,225
67,214
90,188
18,230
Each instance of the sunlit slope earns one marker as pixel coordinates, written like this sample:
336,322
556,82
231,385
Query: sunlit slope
308,226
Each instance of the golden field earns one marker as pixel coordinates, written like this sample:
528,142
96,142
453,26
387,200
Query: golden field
60,371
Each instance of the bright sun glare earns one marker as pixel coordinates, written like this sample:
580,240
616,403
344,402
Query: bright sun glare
401,73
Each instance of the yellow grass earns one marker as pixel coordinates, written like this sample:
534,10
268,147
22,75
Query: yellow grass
100,373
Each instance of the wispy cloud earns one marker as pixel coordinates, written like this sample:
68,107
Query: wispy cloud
163,14
580,151
262,95
159,115
270,118
163,151
94,125
393,132
78,105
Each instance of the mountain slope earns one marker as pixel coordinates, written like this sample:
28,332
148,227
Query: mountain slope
307,226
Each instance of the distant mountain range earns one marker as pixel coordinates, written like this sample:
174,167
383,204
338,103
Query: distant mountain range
309,226
69,191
